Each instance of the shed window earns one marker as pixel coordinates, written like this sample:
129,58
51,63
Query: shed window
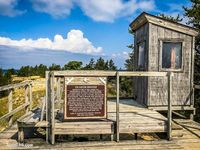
172,55
141,55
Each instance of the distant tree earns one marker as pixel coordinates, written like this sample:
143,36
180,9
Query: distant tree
111,65
54,67
1,77
193,13
91,65
8,77
11,71
73,65
127,83
5,78
100,64
170,18
131,46
106,66
129,62
24,71
41,69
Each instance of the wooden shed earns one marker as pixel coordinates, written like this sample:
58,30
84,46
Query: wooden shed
163,45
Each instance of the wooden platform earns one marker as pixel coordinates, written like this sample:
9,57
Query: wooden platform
189,140
135,118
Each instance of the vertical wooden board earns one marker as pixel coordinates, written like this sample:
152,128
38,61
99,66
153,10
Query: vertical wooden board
117,108
58,92
149,65
10,106
192,69
48,105
141,82
26,98
52,109
30,96
169,115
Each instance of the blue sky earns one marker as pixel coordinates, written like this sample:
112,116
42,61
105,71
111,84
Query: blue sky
48,31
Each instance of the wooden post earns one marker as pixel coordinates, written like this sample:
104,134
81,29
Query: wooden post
52,110
58,93
192,104
169,115
20,135
26,97
117,109
30,96
10,106
47,105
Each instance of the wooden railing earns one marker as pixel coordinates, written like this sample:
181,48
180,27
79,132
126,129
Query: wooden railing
50,98
27,85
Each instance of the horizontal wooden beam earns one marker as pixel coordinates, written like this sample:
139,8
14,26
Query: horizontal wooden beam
14,111
99,73
144,74
164,108
85,73
12,86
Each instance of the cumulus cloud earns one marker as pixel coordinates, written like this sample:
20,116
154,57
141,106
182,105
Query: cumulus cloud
123,54
98,10
109,10
8,8
75,42
56,8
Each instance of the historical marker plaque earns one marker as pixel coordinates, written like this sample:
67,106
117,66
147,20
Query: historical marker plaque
85,101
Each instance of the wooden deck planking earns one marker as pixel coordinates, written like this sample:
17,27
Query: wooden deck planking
188,141
135,118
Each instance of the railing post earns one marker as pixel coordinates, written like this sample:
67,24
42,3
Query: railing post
117,109
48,105
26,98
169,115
58,92
30,96
10,106
52,109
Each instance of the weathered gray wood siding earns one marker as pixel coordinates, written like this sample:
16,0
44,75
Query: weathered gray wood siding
181,82
141,83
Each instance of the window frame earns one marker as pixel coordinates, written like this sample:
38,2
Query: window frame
141,68
161,41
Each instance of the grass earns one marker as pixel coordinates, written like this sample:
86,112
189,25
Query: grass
38,91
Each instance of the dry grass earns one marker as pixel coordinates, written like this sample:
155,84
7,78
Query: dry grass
38,91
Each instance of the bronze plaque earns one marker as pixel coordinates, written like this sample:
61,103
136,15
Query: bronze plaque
85,101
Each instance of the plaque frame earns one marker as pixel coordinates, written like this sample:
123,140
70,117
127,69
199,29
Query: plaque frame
85,81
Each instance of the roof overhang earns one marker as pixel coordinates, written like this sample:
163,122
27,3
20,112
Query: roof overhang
144,18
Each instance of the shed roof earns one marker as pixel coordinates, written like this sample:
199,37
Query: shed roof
145,17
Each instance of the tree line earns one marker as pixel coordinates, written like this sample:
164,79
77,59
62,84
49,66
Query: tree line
39,70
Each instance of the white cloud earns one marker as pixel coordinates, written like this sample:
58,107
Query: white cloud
98,10
109,10
56,8
7,8
174,10
75,42
123,54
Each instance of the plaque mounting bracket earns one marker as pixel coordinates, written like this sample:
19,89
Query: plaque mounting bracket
103,80
69,80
